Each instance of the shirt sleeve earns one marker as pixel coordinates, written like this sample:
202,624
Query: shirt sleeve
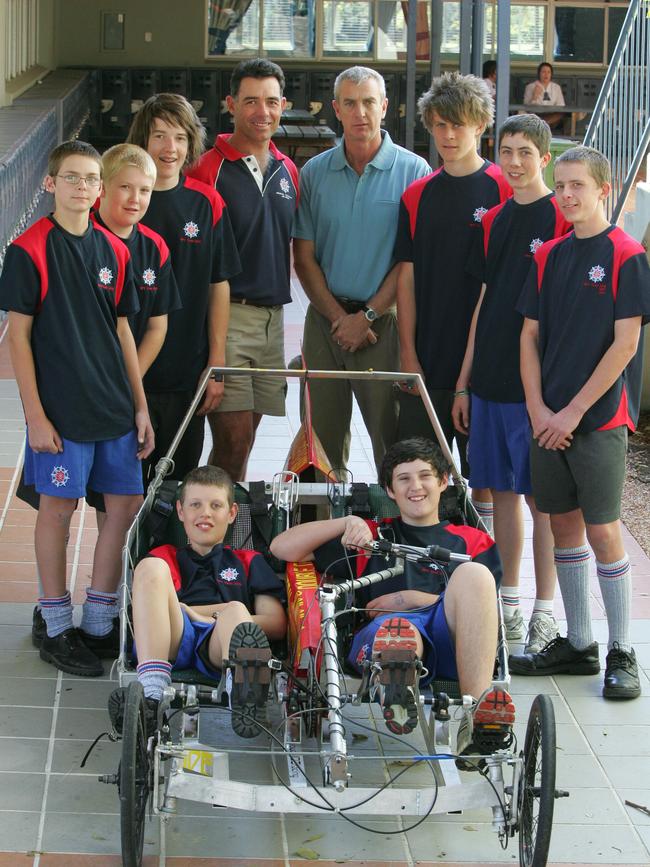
225,256
633,293
528,94
403,250
20,283
528,304
129,302
492,559
262,580
303,226
167,296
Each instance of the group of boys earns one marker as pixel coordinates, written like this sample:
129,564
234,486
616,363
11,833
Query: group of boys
481,256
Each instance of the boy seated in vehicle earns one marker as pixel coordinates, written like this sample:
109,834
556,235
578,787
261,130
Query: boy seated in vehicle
197,606
449,630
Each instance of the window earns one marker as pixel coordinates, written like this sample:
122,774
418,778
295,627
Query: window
277,28
579,34
565,31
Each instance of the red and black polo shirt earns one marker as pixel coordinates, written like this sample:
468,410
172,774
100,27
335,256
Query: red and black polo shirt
75,287
438,220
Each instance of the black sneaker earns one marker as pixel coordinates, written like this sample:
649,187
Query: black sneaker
249,654
621,674
558,657
39,628
68,653
104,646
117,703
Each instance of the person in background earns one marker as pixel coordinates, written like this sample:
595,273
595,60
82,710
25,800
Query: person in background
545,91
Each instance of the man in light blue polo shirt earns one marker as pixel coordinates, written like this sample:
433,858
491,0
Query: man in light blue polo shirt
343,249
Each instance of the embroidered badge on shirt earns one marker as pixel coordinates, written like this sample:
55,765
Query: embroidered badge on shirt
535,244
149,276
105,276
479,213
597,274
229,575
190,229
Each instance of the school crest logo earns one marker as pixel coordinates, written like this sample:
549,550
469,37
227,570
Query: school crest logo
229,575
105,276
284,185
190,229
535,244
479,213
597,274
363,654
149,276
60,477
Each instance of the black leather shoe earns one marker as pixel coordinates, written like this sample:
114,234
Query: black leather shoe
104,646
621,674
39,629
68,653
558,657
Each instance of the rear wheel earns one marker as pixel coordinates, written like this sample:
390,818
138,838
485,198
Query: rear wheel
135,777
537,792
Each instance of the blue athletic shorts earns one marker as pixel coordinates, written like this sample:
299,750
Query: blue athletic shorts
431,623
188,656
499,446
106,466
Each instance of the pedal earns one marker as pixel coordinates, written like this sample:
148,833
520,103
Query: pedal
398,666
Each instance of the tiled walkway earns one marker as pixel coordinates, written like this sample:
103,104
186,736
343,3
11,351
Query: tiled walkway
50,807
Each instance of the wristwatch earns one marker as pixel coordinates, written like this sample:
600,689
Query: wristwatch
369,313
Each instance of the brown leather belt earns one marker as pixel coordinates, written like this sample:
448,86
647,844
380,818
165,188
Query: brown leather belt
351,306
249,303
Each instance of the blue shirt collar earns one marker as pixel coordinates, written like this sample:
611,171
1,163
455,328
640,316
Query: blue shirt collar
382,160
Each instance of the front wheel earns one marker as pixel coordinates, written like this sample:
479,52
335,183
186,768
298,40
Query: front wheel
135,777
537,792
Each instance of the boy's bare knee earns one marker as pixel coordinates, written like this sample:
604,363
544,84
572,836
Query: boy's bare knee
123,506
236,609
57,509
152,574
472,579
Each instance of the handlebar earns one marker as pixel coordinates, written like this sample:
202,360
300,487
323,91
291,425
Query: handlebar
415,554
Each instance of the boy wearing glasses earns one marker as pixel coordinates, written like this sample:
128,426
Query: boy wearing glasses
68,287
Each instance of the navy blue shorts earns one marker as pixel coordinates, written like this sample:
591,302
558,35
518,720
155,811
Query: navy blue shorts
499,446
106,466
195,634
431,623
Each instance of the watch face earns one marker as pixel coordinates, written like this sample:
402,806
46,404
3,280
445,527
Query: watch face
370,314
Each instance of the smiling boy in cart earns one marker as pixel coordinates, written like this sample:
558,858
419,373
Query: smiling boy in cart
200,606
447,631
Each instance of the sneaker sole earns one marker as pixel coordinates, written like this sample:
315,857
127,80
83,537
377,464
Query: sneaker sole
495,709
399,636
249,709
70,669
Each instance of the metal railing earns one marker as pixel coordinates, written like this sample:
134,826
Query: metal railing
620,123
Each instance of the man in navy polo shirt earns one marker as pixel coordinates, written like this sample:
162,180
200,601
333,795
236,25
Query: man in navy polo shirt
584,303
260,187
343,250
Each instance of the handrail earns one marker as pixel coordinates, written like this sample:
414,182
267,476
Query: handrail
620,123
